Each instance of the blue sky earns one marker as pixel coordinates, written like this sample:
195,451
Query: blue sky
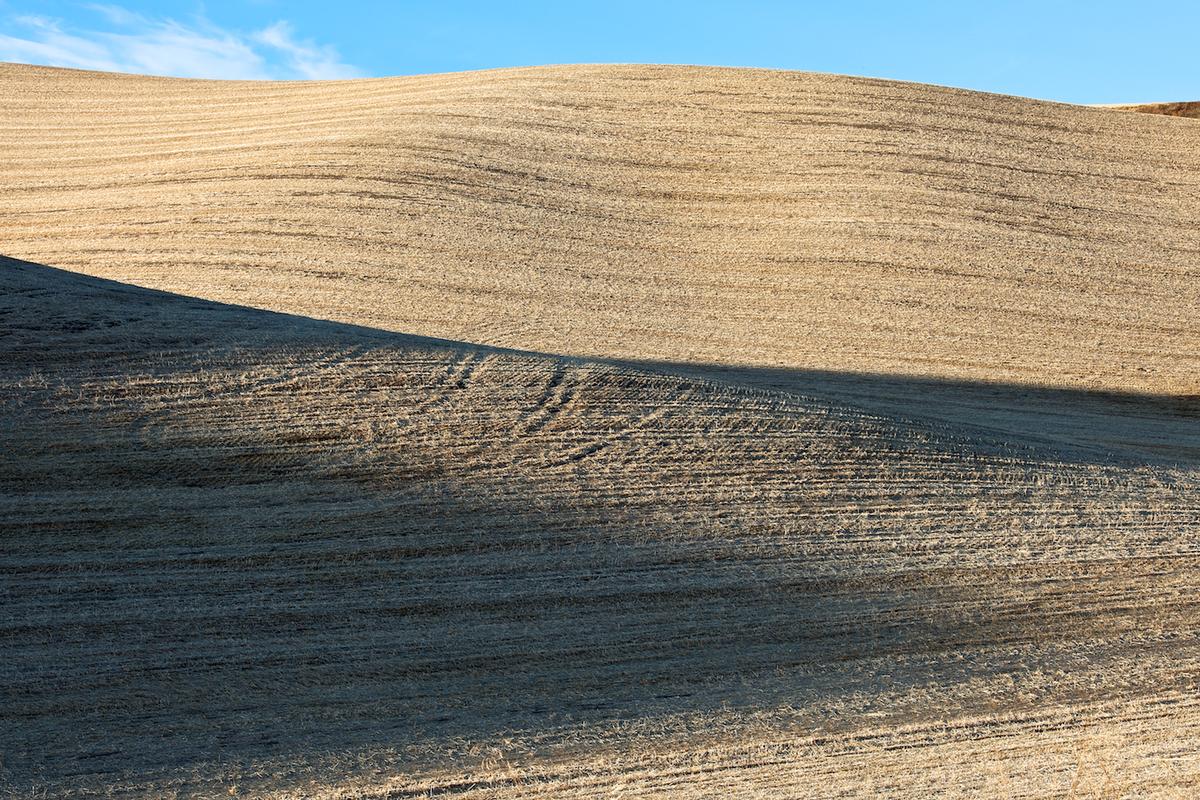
1073,51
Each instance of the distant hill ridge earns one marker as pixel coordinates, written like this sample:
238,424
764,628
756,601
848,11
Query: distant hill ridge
682,214
1191,109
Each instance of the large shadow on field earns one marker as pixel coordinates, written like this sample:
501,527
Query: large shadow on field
1081,426
221,549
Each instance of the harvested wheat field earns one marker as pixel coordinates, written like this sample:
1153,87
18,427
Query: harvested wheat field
1169,109
595,432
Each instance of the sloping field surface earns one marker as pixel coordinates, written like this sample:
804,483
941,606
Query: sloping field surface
243,549
628,432
739,217
1167,109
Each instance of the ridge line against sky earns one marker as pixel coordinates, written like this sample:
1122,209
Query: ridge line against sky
1083,52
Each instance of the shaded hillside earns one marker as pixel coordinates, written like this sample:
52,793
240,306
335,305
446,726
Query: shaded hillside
247,549
737,217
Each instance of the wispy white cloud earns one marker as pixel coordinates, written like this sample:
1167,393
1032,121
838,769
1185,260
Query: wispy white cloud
304,57
200,49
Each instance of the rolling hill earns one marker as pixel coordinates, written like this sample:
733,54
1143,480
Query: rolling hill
640,431
734,217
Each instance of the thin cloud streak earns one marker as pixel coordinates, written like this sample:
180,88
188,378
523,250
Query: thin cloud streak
169,47
304,57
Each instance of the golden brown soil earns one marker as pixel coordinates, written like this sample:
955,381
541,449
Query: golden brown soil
740,217
662,432
1166,109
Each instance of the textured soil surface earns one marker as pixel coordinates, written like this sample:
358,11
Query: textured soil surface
1168,109
595,431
